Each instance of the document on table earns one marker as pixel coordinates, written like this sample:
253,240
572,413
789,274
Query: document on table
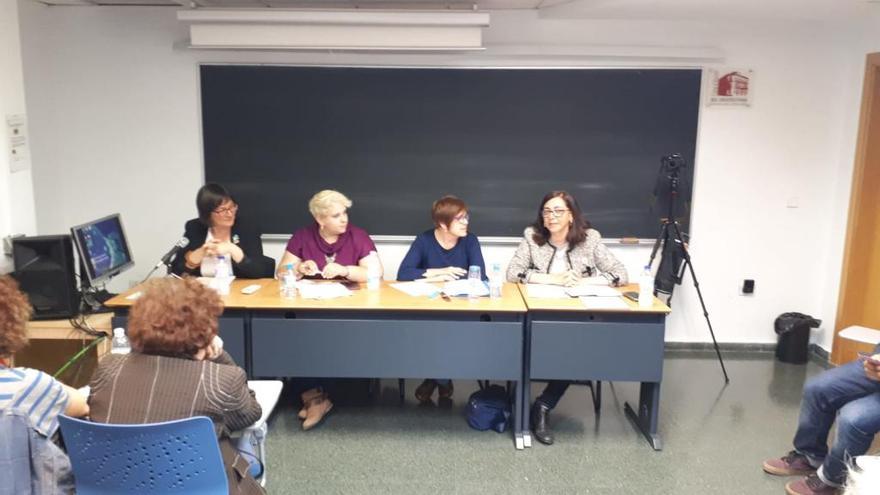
322,290
592,302
417,288
463,287
221,285
592,290
546,291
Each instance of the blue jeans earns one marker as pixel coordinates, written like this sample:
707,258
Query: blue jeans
847,394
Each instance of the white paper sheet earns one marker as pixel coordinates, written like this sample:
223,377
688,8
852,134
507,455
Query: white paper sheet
323,290
546,291
462,288
417,288
592,290
591,302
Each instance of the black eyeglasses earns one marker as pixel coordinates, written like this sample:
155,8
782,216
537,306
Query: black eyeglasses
556,213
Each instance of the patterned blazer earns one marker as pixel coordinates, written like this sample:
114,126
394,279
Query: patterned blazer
140,388
590,257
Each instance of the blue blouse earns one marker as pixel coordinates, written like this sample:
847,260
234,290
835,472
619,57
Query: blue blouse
425,252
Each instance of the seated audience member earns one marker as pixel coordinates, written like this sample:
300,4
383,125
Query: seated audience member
330,248
441,254
850,394
218,231
37,398
174,371
560,248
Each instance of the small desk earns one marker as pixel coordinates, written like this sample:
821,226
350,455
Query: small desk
50,357
566,341
377,334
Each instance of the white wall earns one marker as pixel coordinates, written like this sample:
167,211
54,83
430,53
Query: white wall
115,127
16,189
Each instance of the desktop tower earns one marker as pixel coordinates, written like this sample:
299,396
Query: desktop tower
45,272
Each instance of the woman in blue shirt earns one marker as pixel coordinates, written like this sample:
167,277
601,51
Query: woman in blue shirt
442,254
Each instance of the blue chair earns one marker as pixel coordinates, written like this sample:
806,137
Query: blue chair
173,457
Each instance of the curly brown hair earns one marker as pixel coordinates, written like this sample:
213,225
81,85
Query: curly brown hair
174,317
15,311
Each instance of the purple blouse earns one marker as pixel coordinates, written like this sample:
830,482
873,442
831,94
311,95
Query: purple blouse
352,246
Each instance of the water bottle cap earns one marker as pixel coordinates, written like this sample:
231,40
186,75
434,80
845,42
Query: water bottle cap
289,266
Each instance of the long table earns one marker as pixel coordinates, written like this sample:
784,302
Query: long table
383,333
388,334
567,341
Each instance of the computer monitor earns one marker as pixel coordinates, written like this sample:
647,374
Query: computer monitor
103,250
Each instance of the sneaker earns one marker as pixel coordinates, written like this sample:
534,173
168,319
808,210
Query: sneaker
793,464
425,390
811,485
445,391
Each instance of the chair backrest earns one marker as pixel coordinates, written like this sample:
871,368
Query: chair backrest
173,457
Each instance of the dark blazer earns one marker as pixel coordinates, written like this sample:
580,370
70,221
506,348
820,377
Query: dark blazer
140,388
253,265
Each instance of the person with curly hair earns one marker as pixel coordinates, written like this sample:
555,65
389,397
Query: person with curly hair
34,397
174,372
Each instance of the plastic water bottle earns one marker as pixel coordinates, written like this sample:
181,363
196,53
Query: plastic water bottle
373,271
288,282
646,288
119,344
495,281
475,282
222,273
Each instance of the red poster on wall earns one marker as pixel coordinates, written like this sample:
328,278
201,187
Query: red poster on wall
730,87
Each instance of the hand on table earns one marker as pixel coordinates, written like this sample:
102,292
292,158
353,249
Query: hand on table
333,270
445,274
568,278
307,268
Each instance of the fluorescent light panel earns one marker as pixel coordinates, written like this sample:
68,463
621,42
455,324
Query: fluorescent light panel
342,29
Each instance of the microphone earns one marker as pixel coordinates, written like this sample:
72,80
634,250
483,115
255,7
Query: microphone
169,256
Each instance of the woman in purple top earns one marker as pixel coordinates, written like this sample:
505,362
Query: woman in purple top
331,249
441,254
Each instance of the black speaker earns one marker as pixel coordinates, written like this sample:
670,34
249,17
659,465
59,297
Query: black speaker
45,271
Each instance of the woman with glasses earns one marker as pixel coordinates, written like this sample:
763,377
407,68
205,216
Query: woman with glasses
219,232
560,248
443,253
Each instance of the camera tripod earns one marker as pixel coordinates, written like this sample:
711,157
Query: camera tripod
674,247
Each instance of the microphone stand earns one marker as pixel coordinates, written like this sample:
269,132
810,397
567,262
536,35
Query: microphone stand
670,225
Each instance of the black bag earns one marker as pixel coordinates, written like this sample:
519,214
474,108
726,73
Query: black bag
489,409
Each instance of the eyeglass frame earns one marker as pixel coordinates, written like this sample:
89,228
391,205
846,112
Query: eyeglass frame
462,218
226,210
554,213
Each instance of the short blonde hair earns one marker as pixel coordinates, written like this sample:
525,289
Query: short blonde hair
321,202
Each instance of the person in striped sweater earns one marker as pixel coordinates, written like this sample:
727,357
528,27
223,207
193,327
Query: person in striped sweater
35,396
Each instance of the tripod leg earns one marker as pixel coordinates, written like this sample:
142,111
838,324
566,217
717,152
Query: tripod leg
660,237
690,265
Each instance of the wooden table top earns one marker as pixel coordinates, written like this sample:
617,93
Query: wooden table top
386,298
575,304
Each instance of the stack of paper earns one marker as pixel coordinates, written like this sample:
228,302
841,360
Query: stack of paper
592,290
322,290
546,291
463,288
416,288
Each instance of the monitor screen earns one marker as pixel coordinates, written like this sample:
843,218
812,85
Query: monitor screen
102,248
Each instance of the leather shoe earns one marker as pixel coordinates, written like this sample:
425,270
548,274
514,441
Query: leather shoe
317,412
307,397
425,390
445,391
539,424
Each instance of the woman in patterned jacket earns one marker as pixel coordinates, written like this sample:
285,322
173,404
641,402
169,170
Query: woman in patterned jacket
560,248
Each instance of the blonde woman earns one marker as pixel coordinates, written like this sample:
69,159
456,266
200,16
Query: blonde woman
330,248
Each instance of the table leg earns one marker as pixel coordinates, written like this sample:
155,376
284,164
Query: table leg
649,409
525,387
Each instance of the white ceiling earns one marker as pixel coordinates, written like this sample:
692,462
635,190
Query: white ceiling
799,10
